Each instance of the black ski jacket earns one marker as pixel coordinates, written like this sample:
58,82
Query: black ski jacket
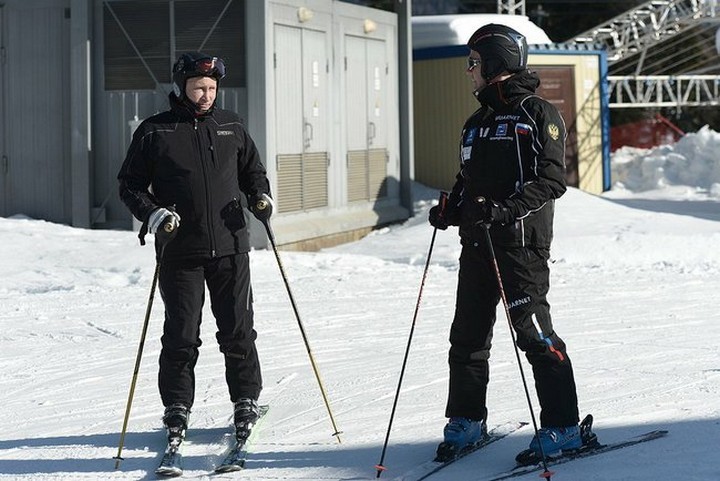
512,152
199,165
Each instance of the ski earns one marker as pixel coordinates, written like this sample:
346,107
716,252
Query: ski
171,463
235,458
583,452
429,468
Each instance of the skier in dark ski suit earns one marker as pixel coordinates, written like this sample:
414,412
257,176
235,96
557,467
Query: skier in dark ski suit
512,169
191,166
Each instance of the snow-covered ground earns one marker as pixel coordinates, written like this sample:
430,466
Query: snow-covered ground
634,294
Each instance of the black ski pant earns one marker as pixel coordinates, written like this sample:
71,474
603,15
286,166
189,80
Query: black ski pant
182,286
525,275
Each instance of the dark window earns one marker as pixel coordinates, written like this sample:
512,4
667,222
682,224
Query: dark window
146,25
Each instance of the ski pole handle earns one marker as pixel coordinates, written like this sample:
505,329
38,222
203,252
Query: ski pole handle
170,225
480,200
443,200
262,207
168,230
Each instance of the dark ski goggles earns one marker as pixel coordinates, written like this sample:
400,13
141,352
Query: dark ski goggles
210,67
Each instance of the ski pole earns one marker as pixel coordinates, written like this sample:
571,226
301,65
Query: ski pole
169,227
379,466
546,472
262,205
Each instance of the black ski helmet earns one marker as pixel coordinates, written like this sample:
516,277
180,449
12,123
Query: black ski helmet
501,48
195,64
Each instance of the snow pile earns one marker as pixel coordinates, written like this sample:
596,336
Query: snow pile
692,161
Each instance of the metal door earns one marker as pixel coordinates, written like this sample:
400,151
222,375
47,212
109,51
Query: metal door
366,107
301,117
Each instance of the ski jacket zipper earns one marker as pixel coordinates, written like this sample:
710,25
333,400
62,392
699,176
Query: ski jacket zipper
208,191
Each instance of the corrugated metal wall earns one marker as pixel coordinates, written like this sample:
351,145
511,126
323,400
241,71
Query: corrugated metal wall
442,101
35,110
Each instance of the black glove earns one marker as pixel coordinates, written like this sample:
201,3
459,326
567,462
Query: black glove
436,217
262,206
445,214
489,211
164,223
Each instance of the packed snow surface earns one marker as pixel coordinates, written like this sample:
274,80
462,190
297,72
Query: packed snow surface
634,294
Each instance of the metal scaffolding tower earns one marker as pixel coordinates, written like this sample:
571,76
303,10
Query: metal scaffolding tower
642,27
654,29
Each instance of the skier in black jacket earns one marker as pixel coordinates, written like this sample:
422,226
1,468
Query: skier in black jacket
511,170
190,167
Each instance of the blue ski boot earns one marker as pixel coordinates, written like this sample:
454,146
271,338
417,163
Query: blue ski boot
555,440
558,442
460,434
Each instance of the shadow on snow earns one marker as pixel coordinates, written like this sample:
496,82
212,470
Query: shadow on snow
143,451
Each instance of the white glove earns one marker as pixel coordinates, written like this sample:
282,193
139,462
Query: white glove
159,217
262,206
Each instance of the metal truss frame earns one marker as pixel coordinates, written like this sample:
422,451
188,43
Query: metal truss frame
646,25
663,91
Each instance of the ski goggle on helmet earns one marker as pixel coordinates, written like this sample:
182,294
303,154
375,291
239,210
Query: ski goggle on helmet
196,64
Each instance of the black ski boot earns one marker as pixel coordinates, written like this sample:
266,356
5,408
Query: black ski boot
175,420
246,415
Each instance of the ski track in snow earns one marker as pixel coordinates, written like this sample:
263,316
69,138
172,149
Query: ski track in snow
634,294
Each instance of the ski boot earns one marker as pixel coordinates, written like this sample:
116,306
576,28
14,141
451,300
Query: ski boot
246,415
175,420
460,434
556,442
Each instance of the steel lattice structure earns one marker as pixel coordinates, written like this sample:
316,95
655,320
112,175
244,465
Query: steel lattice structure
664,91
646,25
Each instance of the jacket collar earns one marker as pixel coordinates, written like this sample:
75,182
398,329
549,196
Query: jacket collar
185,110
505,94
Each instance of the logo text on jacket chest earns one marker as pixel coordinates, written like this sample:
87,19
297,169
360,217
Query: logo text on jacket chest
224,132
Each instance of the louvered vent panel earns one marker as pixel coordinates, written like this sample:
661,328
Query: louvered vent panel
289,179
302,181
315,179
377,173
357,175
